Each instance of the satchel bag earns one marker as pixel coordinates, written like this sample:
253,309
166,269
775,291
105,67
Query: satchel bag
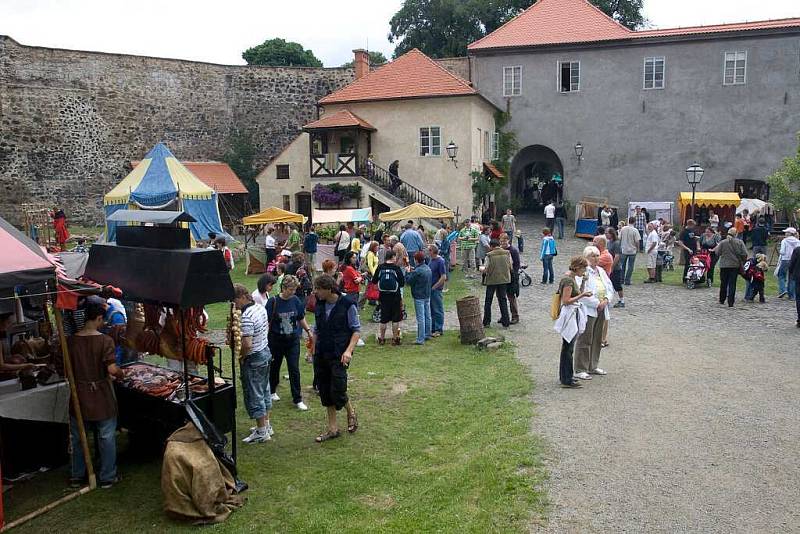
372,293
555,306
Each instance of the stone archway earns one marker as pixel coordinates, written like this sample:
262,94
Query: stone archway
536,176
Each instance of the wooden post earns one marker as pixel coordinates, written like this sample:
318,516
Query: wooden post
76,405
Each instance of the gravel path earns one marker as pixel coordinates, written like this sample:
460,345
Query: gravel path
693,429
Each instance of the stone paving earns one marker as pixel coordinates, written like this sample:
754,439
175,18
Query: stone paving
693,429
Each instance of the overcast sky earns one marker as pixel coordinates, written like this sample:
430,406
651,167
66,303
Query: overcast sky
219,31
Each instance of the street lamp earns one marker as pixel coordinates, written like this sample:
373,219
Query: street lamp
579,151
694,175
452,152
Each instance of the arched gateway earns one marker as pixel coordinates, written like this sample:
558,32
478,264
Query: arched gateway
537,176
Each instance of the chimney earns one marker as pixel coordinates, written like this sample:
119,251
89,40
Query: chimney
361,62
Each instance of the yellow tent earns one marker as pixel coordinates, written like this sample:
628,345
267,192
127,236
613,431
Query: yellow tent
274,215
707,199
417,211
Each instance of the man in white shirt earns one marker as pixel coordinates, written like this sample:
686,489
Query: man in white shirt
550,215
270,245
790,242
629,240
651,249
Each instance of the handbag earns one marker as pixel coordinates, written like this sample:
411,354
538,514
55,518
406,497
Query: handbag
372,292
555,306
311,303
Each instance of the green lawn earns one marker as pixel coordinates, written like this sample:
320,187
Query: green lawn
675,278
444,445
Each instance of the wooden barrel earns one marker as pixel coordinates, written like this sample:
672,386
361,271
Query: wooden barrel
470,319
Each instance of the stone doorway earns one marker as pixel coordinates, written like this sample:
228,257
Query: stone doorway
537,176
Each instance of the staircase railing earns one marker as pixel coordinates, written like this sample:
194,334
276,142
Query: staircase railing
393,185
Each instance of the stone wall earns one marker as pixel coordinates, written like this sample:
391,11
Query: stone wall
71,121
457,65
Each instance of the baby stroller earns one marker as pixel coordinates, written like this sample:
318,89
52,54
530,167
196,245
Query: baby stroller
524,278
699,264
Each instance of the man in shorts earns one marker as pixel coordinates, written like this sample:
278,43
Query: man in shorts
390,279
651,249
336,332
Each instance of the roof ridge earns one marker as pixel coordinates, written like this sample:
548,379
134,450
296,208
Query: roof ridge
459,79
717,25
509,21
369,73
612,19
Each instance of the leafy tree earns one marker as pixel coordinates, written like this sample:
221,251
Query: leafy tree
444,28
375,59
239,157
784,184
280,53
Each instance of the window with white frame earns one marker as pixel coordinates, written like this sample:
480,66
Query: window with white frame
569,76
495,146
735,68
430,141
512,81
654,73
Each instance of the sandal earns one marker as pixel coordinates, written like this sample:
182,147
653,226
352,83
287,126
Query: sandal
352,423
327,435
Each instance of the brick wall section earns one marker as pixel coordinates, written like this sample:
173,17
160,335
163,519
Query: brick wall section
70,121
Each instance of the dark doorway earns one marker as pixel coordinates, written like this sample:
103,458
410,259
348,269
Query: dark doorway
752,189
304,204
537,176
378,207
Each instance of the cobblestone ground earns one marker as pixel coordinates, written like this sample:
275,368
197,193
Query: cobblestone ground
693,429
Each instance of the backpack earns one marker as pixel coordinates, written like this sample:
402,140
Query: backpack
388,282
749,269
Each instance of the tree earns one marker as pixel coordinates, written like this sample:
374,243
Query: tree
444,28
784,184
239,157
280,53
375,59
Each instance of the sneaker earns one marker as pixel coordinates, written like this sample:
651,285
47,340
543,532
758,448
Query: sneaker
649,281
436,334
269,429
573,385
583,376
783,294
76,483
107,484
301,406
258,436
360,343
274,397
619,304
599,371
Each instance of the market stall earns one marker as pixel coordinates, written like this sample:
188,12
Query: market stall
168,321
257,256
355,215
416,211
33,401
586,215
722,203
656,210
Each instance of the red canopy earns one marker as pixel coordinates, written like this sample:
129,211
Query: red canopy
22,261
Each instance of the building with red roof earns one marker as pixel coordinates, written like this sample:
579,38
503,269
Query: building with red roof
407,111
617,113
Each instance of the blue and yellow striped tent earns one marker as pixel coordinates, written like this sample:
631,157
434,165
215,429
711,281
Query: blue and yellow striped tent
160,181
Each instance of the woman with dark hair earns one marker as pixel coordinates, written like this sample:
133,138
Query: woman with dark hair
342,243
351,278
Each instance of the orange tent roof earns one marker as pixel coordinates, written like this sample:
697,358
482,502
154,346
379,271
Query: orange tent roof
412,75
341,119
552,22
215,174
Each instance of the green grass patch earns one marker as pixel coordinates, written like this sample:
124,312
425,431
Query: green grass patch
675,278
444,445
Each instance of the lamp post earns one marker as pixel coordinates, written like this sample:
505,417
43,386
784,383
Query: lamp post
579,151
452,152
694,175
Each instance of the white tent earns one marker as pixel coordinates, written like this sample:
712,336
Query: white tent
752,204
663,210
360,215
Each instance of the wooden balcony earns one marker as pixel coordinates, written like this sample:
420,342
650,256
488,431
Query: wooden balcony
333,164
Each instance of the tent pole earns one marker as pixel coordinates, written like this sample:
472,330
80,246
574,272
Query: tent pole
44,509
76,405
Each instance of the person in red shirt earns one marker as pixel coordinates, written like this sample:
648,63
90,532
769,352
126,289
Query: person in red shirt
496,230
351,278
219,244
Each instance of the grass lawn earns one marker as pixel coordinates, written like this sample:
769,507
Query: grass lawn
675,278
444,445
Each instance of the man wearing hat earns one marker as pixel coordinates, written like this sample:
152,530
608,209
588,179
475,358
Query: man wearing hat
786,284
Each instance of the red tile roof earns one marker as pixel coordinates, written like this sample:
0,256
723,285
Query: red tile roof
216,175
552,22
341,119
412,75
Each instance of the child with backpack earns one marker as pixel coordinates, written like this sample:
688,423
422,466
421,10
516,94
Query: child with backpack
756,268
390,278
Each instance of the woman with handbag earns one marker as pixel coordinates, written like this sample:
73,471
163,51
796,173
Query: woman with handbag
731,254
589,343
571,320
